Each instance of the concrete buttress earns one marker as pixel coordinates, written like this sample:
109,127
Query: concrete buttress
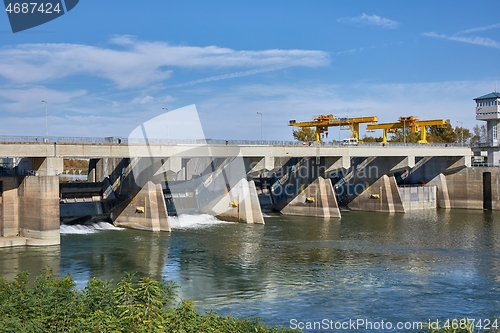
240,204
317,199
381,196
145,211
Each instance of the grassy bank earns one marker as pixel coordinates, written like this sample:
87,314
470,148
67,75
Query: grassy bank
135,305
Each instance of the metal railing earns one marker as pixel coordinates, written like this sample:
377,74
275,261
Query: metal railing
483,164
125,141
482,144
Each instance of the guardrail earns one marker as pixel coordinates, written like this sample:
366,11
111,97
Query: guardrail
481,164
482,145
124,141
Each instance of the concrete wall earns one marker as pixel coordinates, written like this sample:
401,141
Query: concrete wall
39,210
102,168
465,188
30,205
423,173
418,197
9,207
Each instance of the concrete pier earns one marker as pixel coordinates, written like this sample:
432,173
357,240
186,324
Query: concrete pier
240,204
144,211
318,199
39,210
30,205
382,196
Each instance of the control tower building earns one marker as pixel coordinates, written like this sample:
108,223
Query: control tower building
488,109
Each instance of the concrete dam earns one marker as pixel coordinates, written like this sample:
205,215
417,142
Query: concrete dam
140,185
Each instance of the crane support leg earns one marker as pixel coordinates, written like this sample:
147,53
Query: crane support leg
384,136
355,130
423,135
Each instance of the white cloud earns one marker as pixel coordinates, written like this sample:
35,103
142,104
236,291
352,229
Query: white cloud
488,42
475,40
225,76
29,100
142,100
130,63
166,99
483,28
373,20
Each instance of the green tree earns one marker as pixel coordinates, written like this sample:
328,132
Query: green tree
479,134
401,135
444,134
304,134
371,139
448,134
463,135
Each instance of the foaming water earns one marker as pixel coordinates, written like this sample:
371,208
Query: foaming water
87,228
186,221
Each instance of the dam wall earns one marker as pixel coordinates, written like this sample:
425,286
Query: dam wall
418,197
469,188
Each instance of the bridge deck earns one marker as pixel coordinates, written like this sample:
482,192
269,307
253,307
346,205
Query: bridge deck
112,150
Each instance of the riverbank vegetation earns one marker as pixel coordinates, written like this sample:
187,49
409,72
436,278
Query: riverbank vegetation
135,305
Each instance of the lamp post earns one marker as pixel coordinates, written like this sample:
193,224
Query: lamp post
164,108
462,130
261,131
404,131
339,128
46,121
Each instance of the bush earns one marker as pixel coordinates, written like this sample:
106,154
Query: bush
134,305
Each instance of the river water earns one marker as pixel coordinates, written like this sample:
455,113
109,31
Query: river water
295,271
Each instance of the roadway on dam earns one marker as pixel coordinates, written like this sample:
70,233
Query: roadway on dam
92,149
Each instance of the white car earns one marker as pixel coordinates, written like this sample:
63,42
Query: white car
350,142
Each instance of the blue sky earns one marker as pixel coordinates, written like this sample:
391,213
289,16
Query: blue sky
107,66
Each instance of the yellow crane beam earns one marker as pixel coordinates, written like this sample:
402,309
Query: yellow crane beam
408,122
322,122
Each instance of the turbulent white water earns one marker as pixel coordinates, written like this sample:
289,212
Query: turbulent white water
182,221
185,221
87,228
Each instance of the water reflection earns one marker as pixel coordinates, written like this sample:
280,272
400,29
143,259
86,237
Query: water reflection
427,264
17,259
398,267
111,254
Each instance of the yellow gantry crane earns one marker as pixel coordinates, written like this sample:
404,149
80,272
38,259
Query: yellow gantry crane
408,122
322,123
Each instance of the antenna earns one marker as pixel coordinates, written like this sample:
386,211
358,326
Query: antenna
495,85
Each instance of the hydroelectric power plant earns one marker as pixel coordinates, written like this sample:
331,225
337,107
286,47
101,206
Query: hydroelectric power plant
141,183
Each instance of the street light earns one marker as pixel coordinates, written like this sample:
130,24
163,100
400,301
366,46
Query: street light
462,129
404,131
261,131
164,108
46,121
